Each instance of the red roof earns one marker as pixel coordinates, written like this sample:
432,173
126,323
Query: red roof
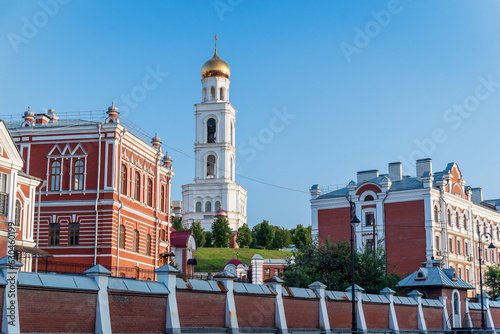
179,239
236,262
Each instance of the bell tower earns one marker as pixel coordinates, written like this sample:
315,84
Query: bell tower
214,185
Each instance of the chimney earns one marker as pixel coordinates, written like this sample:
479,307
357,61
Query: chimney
423,165
477,195
395,171
367,175
315,191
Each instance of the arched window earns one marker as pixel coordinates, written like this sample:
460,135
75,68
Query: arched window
148,245
459,249
123,180
162,235
456,303
121,242
436,214
137,191
211,130
162,198
465,223
208,206
368,198
204,93
457,220
232,169
150,192
212,93
232,133
135,244
217,205
221,94
437,242
55,175
198,206
449,217
211,166
17,219
78,175
54,230
74,234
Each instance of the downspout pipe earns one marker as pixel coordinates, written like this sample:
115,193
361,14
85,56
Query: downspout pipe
121,205
97,196
44,185
158,185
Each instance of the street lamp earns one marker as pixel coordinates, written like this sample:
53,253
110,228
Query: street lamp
491,246
354,221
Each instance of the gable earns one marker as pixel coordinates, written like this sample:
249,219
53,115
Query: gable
10,157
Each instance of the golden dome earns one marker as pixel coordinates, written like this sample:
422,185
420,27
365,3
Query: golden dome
215,67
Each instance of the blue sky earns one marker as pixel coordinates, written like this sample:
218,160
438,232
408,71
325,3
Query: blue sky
364,83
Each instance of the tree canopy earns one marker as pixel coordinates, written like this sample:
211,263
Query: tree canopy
199,233
221,232
244,238
330,264
492,280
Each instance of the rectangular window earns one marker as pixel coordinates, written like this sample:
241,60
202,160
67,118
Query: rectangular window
276,272
122,237
78,175
55,175
54,230
266,271
3,182
148,245
451,246
74,234
369,244
459,250
369,218
437,242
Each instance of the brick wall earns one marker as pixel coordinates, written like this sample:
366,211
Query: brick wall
339,314
334,224
407,316
376,315
255,311
51,311
301,313
199,309
402,220
433,317
137,313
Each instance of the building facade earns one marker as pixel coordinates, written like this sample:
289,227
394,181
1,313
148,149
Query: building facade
214,184
107,194
433,215
17,204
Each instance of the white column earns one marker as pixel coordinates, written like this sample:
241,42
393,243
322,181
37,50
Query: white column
324,321
417,296
102,317
393,320
257,267
358,293
231,316
276,284
167,275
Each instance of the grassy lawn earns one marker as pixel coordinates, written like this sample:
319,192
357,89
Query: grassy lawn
213,259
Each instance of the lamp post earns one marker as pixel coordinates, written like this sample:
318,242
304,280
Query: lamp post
354,221
491,246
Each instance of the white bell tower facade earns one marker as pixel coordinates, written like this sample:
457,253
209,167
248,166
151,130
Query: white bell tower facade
214,186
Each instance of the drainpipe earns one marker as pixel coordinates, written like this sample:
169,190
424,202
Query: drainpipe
157,182
44,185
121,204
445,223
97,196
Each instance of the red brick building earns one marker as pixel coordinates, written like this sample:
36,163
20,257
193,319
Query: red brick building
17,203
107,198
431,215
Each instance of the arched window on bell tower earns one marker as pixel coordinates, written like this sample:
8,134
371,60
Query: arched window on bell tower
222,93
211,162
211,131
204,94
212,93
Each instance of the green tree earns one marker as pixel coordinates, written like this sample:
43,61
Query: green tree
492,277
301,236
331,265
177,224
263,234
208,239
282,238
244,238
199,233
221,232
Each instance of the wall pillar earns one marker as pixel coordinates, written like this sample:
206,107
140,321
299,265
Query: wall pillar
257,269
276,284
167,275
417,296
231,316
446,316
358,292
102,317
468,320
10,316
393,320
324,321
489,320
